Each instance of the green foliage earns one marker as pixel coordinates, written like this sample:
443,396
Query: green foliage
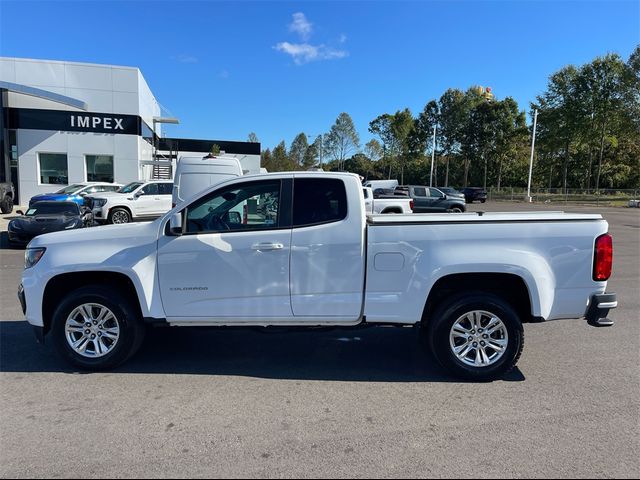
588,136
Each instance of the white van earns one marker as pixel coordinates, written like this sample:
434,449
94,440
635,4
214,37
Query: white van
388,184
195,174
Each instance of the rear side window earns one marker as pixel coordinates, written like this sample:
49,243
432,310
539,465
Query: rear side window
318,200
165,188
420,192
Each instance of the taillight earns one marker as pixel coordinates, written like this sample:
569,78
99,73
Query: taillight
603,258
411,205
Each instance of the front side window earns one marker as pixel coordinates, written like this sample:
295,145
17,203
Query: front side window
99,168
53,168
244,207
151,189
318,200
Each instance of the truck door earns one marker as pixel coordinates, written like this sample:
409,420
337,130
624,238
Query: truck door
421,200
228,268
327,250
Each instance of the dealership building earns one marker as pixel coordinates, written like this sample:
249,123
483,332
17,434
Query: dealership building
67,122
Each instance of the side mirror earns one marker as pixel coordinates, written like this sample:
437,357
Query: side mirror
175,224
137,195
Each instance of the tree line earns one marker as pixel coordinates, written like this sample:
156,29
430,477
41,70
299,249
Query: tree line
588,136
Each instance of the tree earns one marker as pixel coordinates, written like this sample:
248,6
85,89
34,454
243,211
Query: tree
373,150
253,138
343,139
280,160
298,150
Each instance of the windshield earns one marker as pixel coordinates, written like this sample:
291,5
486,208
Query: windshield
53,208
71,189
130,187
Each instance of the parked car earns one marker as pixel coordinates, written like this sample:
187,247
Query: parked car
75,193
386,204
194,174
135,201
387,184
47,217
7,197
472,194
451,192
469,281
433,200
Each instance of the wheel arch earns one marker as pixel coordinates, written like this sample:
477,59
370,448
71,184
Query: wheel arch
61,285
512,287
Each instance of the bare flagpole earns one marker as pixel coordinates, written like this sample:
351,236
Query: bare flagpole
533,146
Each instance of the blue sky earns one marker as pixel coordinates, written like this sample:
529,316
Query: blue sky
279,68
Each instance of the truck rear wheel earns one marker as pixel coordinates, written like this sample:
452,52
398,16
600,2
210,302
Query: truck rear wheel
96,328
476,336
6,205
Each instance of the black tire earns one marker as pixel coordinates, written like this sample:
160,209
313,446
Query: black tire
120,213
456,210
443,319
6,205
131,333
483,200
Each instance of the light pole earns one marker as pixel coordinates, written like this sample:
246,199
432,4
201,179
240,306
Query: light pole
533,145
433,156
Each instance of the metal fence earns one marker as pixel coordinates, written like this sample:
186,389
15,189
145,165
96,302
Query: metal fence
559,195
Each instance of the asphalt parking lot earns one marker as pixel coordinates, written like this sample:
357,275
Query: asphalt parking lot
366,403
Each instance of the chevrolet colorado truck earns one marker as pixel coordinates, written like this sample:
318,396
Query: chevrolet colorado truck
309,256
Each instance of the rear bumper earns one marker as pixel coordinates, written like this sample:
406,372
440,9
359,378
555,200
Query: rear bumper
599,307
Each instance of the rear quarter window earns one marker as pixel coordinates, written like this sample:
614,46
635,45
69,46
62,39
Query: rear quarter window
318,200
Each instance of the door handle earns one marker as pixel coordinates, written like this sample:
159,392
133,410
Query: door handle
267,246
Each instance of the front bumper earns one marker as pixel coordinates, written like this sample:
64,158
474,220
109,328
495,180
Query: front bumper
599,307
19,238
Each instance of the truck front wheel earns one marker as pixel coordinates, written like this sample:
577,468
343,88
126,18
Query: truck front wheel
119,215
477,336
96,328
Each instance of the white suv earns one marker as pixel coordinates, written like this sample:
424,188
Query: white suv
135,201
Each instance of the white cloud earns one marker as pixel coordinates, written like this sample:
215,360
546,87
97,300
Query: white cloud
301,26
304,53
343,38
183,58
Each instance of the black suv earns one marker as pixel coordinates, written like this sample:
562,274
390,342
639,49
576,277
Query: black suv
471,194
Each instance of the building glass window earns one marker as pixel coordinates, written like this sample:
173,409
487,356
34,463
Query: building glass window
99,168
53,169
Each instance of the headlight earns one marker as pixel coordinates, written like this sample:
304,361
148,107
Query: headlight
99,202
33,256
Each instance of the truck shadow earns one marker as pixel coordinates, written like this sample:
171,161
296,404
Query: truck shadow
384,354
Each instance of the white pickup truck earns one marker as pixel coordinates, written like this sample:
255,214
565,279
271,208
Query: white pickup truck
391,204
309,256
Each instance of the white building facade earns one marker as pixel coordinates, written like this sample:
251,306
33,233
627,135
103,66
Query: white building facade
67,122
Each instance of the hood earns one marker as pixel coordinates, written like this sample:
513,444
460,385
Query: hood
107,236
39,224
